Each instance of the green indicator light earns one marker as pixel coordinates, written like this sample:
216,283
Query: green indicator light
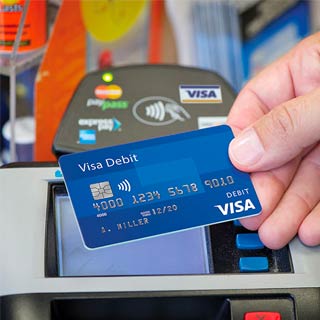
107,77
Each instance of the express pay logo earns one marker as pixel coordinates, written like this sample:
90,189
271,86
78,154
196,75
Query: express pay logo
101,124
200,94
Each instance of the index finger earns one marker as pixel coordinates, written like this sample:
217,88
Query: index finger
296,73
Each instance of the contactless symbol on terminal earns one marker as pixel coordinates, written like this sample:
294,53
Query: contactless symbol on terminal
159,111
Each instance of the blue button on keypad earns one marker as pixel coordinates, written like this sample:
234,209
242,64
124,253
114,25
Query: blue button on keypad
237,223
253,264
248,241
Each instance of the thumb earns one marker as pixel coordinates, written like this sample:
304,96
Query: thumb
279,136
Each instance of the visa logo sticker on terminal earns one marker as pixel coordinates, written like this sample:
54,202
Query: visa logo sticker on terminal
157,186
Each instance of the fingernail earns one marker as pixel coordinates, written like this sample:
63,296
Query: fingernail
246,149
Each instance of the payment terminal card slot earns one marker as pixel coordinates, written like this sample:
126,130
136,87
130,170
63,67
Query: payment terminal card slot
175,307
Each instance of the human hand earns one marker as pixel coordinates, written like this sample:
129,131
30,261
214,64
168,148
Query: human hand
276,120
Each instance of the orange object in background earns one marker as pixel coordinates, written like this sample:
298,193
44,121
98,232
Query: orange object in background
61,69
34,33
155,35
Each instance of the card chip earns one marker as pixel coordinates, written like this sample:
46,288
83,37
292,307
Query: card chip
101,190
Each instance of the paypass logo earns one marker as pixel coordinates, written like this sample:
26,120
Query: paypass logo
106,97
200,94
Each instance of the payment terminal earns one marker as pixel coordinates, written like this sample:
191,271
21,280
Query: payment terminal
218,272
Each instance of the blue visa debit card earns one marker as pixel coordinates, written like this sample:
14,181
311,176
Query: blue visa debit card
157,186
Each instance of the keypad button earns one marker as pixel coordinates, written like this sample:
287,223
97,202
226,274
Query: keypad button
262,316
253,264
248,241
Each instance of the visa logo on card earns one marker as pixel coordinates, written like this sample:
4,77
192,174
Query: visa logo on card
157,186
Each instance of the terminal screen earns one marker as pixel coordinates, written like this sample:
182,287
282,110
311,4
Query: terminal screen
186,252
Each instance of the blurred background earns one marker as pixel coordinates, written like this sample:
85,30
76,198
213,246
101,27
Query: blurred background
46,47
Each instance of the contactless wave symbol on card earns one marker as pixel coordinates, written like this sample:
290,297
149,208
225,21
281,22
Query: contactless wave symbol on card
124,185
